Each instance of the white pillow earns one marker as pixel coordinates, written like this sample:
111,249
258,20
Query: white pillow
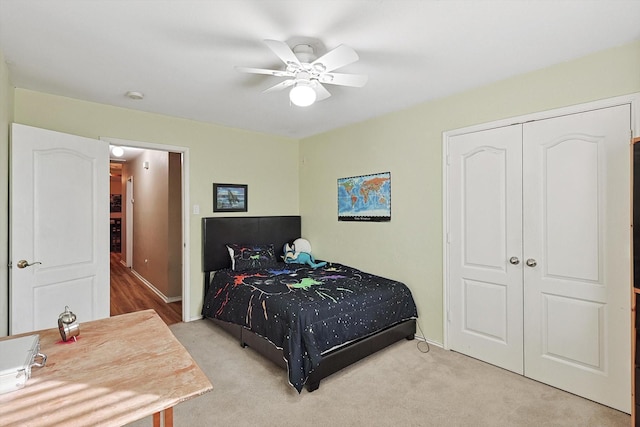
233,260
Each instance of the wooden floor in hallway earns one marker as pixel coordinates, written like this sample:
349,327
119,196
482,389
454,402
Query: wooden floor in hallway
129,294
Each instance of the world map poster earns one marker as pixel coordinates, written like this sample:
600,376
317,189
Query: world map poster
365,198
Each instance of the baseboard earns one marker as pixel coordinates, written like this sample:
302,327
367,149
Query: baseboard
165,298
434,343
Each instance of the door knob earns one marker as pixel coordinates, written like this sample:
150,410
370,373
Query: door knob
514,260
531,262
23,263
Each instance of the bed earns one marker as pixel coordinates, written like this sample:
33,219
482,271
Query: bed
312,322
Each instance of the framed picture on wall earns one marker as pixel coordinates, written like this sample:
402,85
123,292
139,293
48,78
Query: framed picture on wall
365,198
116,203
229,198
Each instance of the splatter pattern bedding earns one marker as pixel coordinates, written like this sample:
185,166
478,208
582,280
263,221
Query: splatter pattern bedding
307,312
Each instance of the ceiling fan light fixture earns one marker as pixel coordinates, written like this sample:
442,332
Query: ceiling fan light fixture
302,94
306,73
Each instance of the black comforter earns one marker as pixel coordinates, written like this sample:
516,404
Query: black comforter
307,312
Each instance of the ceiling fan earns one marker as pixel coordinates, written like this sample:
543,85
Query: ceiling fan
308,73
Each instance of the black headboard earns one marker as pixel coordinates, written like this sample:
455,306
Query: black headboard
218,231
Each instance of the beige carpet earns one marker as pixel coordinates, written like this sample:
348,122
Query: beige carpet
399,386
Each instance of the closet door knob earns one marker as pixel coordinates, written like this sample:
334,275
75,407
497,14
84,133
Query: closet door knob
531,262
514,260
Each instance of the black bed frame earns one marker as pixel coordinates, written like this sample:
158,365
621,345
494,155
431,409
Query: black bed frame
218,231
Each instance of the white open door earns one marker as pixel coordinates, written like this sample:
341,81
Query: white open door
59,224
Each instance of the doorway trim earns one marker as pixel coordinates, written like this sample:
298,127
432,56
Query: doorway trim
186,252
129,222
632,99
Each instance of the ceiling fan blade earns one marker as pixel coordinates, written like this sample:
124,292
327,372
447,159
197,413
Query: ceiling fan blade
277,73
355,80
321,92
280,86
336,58
283,51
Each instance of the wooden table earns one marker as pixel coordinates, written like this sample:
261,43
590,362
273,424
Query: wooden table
120,369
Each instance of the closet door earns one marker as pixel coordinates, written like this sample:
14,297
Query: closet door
485,246
576,253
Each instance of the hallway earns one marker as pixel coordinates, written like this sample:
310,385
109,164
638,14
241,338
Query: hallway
129,294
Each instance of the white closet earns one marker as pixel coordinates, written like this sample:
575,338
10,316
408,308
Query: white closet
537,250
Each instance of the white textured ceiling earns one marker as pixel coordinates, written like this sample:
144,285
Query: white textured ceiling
181,54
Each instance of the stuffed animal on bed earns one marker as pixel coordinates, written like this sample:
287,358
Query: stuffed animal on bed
300,253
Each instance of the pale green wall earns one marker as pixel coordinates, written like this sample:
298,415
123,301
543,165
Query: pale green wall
267,164
6,117
409,145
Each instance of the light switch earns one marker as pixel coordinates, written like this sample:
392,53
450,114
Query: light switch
196,209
